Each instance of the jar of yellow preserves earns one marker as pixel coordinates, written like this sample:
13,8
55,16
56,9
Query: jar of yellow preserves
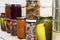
44,28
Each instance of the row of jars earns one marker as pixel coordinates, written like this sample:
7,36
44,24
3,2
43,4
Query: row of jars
40,29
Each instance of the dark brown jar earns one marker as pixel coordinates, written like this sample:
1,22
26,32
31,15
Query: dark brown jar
21,27
3,22
13,28
8,25
7,10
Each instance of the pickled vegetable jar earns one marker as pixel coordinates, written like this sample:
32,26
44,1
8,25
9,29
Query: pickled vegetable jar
44,28
3,22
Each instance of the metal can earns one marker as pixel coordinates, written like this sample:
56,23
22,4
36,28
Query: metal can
44,28
13,28
30,29
21,27
8,25
3,22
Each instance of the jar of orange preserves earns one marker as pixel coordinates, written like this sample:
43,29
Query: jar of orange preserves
21,27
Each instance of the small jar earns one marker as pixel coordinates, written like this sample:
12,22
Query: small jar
3,22
13,28
21,27
8,25
30,29
44,28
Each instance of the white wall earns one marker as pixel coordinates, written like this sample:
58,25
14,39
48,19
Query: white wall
43,11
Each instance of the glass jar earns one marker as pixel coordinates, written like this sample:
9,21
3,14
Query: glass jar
7,10
8,25
32,9
13,27
21,27
30,29
3,22
44,28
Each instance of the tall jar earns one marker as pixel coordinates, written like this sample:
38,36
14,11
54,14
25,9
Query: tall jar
13,27
8,10
21,27
3,22
32,9
30,29
8,25
44,28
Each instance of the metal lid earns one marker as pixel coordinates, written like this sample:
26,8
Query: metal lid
28,20
21,17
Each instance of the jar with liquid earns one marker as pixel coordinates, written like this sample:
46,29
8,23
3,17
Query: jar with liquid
30,29
8,25
3,22
8,10
13,27
21,27
44,28
32,9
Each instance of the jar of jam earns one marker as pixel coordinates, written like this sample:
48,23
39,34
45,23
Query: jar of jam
21,27
13,27
44,28
30,29
3,22
8,24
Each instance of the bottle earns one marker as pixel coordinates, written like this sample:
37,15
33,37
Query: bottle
30,29
44,28
32,9
21,27
3,22
13,27
8,25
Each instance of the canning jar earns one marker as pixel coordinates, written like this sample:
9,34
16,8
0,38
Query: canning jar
44,28
3,22
30,29
21,27
8,25
32,9
13,27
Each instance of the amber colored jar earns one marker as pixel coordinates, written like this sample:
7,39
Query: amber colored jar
8,25
13,28
3,22
7,10
21,27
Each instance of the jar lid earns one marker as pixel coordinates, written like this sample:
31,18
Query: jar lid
3,13
28,20
8,19
13,20
21,17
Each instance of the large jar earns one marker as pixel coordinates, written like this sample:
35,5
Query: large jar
21,27
8,25
13,27
3,22
32,9
30,29
44,28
